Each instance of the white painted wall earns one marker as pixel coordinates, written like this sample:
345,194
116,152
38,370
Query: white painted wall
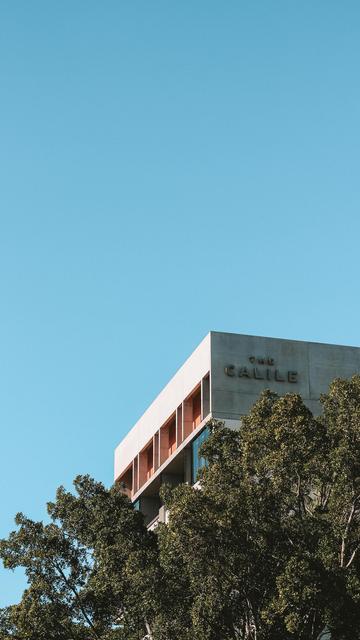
231,397
179,387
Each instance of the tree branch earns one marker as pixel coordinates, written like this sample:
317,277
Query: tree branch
352,556
77,598
346,533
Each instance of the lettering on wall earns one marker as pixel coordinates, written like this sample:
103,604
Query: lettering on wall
261,369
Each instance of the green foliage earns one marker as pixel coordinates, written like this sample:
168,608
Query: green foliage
270,545
267,549
90,572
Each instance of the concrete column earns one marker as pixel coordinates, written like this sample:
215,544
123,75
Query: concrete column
187,417
205,397
156,451
135,474
179,426
187,465
149,507
164,444
142,467
162,514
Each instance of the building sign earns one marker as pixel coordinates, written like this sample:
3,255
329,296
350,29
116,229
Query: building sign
261,369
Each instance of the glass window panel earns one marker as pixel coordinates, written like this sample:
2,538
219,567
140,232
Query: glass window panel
198,462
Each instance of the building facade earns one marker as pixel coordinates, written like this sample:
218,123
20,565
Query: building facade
221,379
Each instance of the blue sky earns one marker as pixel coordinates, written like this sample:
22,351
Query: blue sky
166,168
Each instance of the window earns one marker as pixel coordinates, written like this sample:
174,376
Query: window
198,462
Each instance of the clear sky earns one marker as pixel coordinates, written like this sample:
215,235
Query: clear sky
166,168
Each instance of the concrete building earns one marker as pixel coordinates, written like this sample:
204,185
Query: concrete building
222,379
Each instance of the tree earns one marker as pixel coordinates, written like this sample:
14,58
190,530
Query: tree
90,571
267,549
271,543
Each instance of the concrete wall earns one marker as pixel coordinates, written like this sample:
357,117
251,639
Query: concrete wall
179,387
242,366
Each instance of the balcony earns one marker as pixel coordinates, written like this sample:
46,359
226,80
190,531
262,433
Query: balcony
167,440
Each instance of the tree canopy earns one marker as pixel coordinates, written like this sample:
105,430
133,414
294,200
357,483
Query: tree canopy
267,549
